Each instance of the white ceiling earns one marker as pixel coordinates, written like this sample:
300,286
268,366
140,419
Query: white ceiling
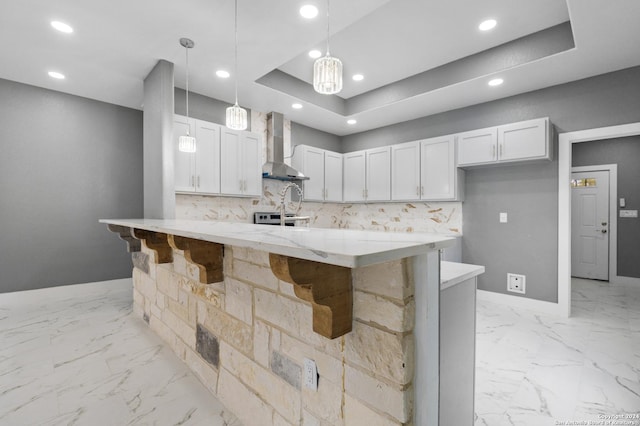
116,43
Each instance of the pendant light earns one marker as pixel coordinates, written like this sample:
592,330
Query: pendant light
236,116
327,71
187,143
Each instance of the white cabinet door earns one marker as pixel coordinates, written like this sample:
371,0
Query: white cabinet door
230,162
526,140
251,160
207,157
477,147
184,162
332,176
439,171
240,163
378,171
405,171
354,176
313,168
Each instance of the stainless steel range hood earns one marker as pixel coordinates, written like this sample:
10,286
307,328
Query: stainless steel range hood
275,168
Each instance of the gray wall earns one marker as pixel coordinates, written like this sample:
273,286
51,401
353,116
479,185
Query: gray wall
625,152
303,135
66,162
203,107
528,243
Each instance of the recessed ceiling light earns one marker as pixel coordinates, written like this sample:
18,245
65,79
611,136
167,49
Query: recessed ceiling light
223,74
358,77
62,27
315,54
487,25
57,75
496,82
351,121
309,11
296,106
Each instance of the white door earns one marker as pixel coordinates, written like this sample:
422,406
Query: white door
313,160
231,179
251,161
207,157
590,225
477,146
438,168
185,162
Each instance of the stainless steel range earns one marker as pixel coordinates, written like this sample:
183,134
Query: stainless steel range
273,218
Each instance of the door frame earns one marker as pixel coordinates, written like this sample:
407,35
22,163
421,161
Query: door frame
613,210
565,141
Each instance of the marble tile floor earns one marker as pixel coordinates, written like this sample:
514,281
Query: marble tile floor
75,355
539,370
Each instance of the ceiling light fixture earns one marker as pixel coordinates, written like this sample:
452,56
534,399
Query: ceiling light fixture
236,116
496,82
62,27
309,11
315,54
223,74
56,75
187,143
351,121
296,106
358,77
327,71
487,25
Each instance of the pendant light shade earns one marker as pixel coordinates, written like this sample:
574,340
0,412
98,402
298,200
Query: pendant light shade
327,71
327,75
187,143
236,116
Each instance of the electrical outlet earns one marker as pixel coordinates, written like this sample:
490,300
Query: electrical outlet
516,283
503,217
310,374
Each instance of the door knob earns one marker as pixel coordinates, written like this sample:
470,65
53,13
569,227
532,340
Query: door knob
604,223
604,231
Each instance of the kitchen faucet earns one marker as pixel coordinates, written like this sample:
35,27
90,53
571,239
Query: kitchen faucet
283,206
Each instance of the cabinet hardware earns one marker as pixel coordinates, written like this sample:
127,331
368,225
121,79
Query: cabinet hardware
493,151
422,190
500,150
417,190
198,185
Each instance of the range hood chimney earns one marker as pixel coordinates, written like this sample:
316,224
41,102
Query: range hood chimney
275,168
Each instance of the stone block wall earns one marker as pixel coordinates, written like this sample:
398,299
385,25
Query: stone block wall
247,337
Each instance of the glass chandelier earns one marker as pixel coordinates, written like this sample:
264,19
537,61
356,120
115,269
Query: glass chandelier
327,71
187,143
236,116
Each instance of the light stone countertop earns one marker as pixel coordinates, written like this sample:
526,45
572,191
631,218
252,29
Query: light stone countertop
452,273
342,247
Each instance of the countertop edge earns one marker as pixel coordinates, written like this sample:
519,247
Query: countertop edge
452,273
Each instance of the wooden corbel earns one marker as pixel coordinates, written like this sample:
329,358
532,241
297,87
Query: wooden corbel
125,234
327,287
207,256
157,243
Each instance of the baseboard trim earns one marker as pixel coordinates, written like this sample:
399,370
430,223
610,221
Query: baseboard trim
629,281
520,302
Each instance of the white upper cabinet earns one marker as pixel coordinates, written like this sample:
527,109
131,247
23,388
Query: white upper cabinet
324,170
405,171
378,174
516,142
478,147
240,164
527,140
354,175
440,178
198,171
332,176
426,170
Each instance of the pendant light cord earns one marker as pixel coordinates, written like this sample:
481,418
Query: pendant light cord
236,47
186,49
328,28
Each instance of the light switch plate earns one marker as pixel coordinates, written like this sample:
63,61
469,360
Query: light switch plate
310,374
628,213
503,218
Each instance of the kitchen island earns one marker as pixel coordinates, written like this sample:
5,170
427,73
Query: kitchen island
246,306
